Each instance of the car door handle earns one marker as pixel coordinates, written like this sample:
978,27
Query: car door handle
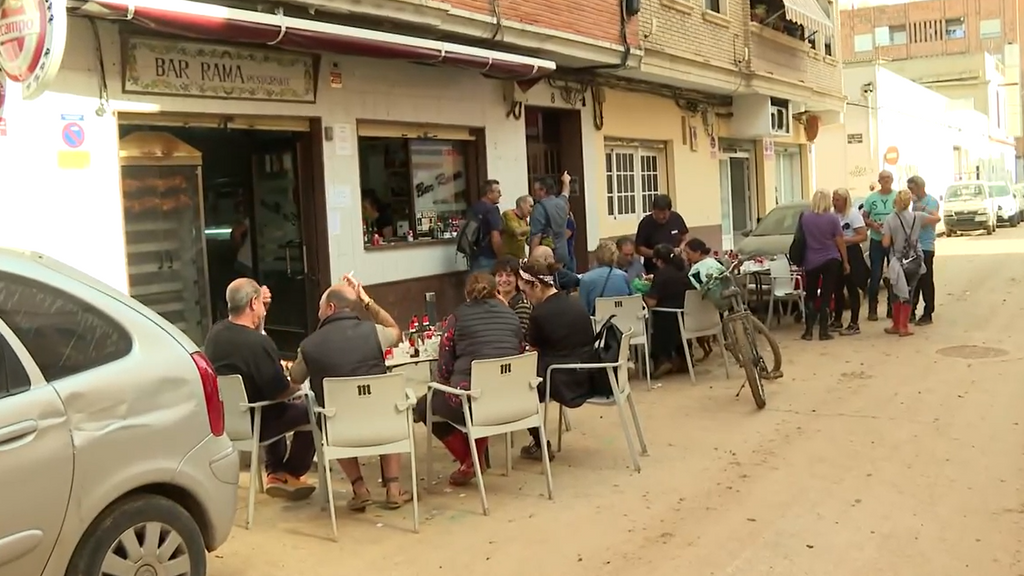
17,434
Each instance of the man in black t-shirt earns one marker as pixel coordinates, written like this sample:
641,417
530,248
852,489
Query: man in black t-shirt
237,346
486,212
662,226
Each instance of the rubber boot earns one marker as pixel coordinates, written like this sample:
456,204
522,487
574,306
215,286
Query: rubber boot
810,316
873,309
483,453
905,320
897,310
823,333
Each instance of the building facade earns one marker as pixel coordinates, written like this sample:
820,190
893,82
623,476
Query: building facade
944,42
896,124
184,143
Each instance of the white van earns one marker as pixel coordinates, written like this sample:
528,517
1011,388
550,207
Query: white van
969,206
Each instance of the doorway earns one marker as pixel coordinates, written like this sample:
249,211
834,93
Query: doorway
789,179
554,144
737,214
253,211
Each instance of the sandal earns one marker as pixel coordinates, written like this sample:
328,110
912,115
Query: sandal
396,501
359,503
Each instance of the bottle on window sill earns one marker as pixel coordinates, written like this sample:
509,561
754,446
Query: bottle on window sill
409,236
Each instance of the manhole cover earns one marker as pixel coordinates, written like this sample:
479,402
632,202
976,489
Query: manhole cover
971,352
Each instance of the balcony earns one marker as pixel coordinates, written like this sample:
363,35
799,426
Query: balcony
794,40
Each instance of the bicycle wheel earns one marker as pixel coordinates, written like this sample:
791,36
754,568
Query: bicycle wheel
774,366
747,349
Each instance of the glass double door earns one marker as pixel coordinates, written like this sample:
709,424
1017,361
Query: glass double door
737,205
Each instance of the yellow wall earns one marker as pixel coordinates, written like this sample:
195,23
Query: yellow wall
693,178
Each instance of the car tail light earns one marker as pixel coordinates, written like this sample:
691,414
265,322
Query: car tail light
211,393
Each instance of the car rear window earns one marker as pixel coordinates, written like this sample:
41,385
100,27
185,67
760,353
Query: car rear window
780,221
64,334
1000,190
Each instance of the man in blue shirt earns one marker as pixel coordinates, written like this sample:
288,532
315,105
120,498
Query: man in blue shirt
928,206
877,207
486,212
550,217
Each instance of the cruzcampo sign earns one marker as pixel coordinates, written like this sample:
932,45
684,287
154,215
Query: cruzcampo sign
32,38
176,68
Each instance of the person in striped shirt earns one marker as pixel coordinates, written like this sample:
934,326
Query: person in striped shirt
506,275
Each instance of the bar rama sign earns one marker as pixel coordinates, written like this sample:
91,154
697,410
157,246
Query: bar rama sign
175,68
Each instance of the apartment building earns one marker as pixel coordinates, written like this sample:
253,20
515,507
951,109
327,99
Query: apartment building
368,112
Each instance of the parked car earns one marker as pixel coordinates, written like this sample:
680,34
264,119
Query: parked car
774,233
1018,193
113,458
969,206
1007,205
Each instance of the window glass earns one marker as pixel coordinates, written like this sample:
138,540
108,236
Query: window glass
966,192
955,29
882,36
13,377
863,43
991,28
412,189
63,334
1000,190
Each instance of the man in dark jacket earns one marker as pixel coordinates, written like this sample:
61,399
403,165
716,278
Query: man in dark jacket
346,346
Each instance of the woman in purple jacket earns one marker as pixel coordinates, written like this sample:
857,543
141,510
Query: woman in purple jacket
824,262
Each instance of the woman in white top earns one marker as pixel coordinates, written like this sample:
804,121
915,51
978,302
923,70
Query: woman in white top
854,233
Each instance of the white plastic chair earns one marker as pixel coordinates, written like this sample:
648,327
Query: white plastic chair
369,416
783,286
502,399
244,433
629,313
622,394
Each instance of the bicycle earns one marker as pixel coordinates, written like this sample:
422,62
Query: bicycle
740,329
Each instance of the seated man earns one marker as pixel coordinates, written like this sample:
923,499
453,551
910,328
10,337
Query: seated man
237,346
345,346
565,280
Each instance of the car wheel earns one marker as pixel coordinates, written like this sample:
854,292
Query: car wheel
991,229
143,535
1014,221
951,232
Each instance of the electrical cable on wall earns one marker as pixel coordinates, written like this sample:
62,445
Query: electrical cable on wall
104,106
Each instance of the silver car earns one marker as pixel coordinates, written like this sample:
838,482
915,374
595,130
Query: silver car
774,233
113,459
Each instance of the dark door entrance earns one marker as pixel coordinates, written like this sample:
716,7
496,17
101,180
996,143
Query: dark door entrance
554,144
264,216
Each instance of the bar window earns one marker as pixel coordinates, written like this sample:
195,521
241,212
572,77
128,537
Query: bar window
414,189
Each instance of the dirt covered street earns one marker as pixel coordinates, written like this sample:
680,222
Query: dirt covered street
876,455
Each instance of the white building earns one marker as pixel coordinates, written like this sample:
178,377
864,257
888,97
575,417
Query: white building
892,123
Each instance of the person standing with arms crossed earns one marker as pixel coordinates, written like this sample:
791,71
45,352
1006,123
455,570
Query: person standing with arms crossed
877,207
928,207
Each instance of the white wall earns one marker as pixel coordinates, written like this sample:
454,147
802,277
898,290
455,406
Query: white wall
76,216
921,123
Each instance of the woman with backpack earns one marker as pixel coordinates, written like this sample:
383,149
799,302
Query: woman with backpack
900,233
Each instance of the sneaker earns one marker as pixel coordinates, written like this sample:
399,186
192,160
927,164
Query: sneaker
923,321
532,451
851,330
288,487
913,316
836,325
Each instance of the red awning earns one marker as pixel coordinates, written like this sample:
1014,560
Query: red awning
212,22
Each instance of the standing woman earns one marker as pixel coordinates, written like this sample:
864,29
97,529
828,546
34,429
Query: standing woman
855,281
824,262
900,235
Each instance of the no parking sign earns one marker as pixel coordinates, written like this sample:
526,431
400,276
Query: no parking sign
71,155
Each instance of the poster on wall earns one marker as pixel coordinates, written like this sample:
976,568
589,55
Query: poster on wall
438,176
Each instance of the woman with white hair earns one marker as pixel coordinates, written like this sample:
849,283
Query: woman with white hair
855,282
824,262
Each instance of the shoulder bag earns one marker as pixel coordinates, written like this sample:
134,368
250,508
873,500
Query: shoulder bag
798,247
910,261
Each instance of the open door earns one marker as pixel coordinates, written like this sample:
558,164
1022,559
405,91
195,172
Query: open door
279,241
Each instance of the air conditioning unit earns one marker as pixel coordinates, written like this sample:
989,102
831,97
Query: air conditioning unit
780,120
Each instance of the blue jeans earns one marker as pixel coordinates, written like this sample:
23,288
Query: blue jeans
879,256
482,264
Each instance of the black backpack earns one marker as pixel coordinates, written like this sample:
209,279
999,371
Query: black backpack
467,241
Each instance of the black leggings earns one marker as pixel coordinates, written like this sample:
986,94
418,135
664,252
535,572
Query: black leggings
821,282
848,292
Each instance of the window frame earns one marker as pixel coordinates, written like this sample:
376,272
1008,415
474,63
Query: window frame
895,33
474,156
35,376
954,25
709,6
638,152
